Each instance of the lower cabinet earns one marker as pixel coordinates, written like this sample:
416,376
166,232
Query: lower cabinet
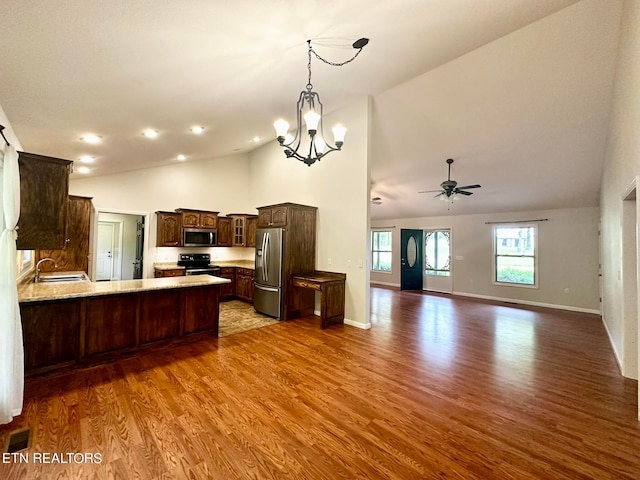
159,316
201,309
228,290
62,333
50,332
244,284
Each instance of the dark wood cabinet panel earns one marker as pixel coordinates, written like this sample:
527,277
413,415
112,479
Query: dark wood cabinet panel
228,290
50,333
200,307
198,218
244,284
75,254
251,227
159,316
224,232
44,188
176,272
110,323
169,229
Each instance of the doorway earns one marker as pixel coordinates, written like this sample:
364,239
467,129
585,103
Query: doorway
411,259
629,286
437,260
119,246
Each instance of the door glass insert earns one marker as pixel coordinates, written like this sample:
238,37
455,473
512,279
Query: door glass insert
412,252
437,252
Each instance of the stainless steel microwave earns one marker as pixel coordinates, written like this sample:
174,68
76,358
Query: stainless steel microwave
199,237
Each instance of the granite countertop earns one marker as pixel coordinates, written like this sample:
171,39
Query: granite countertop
167,266
38,292
235,263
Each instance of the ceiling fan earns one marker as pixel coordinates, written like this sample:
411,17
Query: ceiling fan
376,201
450,187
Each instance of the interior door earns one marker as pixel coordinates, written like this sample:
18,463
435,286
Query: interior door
137,263
106,244
411,259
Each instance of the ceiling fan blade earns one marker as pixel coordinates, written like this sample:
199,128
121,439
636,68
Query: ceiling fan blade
462,192
430,191
467,187
438,195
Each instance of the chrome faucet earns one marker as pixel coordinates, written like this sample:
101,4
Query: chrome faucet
37,277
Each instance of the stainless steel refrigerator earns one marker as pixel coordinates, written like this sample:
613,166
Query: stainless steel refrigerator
269,263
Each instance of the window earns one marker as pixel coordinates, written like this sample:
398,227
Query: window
515,255
437,252
381,251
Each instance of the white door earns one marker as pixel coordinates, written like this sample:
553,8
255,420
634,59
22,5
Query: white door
106,244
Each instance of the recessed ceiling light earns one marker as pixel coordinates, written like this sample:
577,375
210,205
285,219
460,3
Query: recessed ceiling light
87,159
197,129
83,170
150,133
256,139
181,157
91,138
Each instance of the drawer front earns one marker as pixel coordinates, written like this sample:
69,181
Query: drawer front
227,270
306,284
246,272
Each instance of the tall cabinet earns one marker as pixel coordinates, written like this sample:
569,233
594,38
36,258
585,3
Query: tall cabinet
74,256
299,224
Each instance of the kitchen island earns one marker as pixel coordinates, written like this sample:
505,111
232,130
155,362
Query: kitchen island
79,323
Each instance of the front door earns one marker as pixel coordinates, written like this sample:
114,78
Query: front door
411,259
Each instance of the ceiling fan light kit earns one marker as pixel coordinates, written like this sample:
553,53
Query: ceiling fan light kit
310,110
449,189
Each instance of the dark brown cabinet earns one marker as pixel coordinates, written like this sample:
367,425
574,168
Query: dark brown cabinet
228,290
251,226
224,232
244,284
169,229
110,323
201,309
173,272
273,216
75,254
44,189
50,334
159,316
198,218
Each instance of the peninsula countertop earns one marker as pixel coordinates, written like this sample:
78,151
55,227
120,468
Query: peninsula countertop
39,292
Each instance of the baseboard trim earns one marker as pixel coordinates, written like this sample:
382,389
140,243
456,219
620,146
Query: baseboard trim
386,284
527,302
613,346
353,323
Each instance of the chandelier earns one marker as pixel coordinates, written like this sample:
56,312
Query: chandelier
309,108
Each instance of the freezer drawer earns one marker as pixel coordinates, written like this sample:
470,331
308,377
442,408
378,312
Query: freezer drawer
267,300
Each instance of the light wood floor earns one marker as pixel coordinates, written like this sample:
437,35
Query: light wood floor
440,387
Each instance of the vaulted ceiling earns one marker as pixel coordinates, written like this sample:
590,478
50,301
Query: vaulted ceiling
518,92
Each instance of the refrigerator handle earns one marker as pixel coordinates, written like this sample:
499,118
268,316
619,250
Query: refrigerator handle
266,254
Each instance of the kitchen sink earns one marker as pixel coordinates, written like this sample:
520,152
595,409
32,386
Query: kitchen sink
62,277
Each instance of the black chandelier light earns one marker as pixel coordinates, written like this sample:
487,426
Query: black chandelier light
309,108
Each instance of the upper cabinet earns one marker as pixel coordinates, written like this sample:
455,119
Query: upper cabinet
74,256
169,231
273,216
224,232
44,191
250,230
198,218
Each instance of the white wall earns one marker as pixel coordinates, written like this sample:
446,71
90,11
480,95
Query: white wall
622,167
567,256
339,187
219,184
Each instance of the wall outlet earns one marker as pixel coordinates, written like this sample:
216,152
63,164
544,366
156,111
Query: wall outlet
459,257
360,264
348,262
329,262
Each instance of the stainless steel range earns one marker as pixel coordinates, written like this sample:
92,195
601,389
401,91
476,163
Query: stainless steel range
198,264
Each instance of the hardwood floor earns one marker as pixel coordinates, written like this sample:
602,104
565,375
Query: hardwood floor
440,387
